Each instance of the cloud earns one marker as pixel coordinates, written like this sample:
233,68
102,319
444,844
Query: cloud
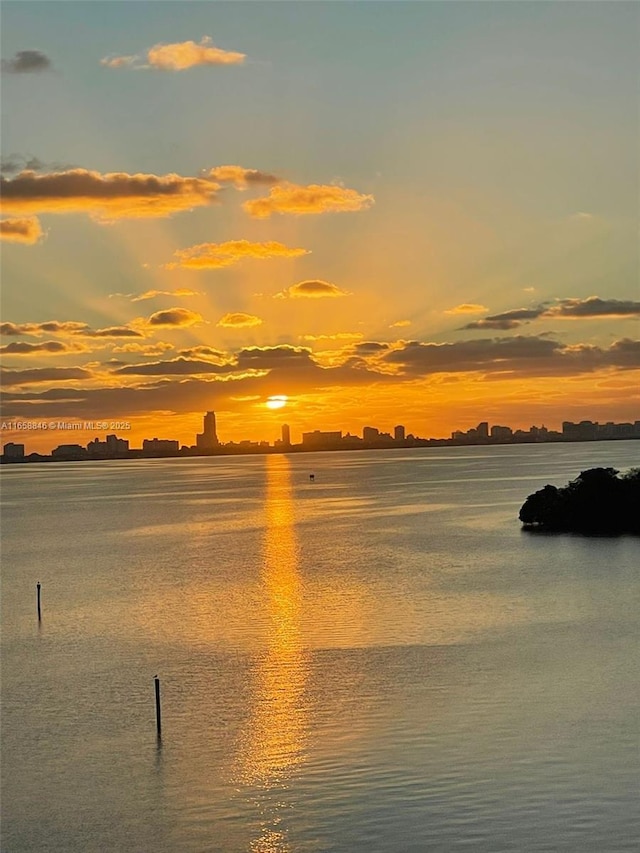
493,323
466,308
578,309
14,163
44,348
25,230
178,56
111,332
313,289
26,62
300,200
211,256
239,320
399,324
593,306
518,355
50,327
175,367
241,177
68,329
120,61
339,336
508,319
152,294
205,352
42,374
174,317
145,349
269,370
267,358
104,197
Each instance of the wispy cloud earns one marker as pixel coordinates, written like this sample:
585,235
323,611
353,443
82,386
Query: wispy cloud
152,294
34,375
105,197
174,367
147,349
177,56
338,336
211,256
26,62
314,289
312,199
400,324
111,332
241,178
466,308
238,320
590,308
26,230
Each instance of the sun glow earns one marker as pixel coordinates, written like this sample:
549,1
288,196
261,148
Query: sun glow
277,401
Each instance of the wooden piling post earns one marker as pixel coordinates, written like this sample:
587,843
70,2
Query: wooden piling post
158,710
39,608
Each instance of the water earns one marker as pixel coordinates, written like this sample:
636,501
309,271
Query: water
379,661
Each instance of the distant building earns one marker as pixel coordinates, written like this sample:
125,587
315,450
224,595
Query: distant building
69,452
482,430
208,438
500,433
160,446
112,448
370,434
286,435
584,431
399,433
318,439
13,451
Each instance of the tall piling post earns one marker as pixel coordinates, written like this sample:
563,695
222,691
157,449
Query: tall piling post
38,598
158,709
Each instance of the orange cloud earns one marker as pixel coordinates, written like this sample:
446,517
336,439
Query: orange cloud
145,349
312,289
178,56
26,230
49,327
211,256
44,348
239,320
467,308
339,336
399,324
115,195
299,200
151,294
240,176
173,318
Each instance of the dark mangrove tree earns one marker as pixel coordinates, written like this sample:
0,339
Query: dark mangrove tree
599,500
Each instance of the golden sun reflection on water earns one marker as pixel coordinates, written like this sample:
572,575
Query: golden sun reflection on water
274,742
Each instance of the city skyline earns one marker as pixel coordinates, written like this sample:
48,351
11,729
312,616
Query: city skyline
439,219
207,443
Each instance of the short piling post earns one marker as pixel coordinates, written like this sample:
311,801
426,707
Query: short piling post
39,608
158,711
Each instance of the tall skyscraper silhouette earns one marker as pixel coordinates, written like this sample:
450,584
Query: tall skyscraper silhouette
208,438
286,435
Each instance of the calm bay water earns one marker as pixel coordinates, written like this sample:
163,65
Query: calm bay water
378,661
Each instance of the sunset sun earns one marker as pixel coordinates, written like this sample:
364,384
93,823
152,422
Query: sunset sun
277,401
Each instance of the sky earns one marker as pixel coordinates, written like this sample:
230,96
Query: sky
420,213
